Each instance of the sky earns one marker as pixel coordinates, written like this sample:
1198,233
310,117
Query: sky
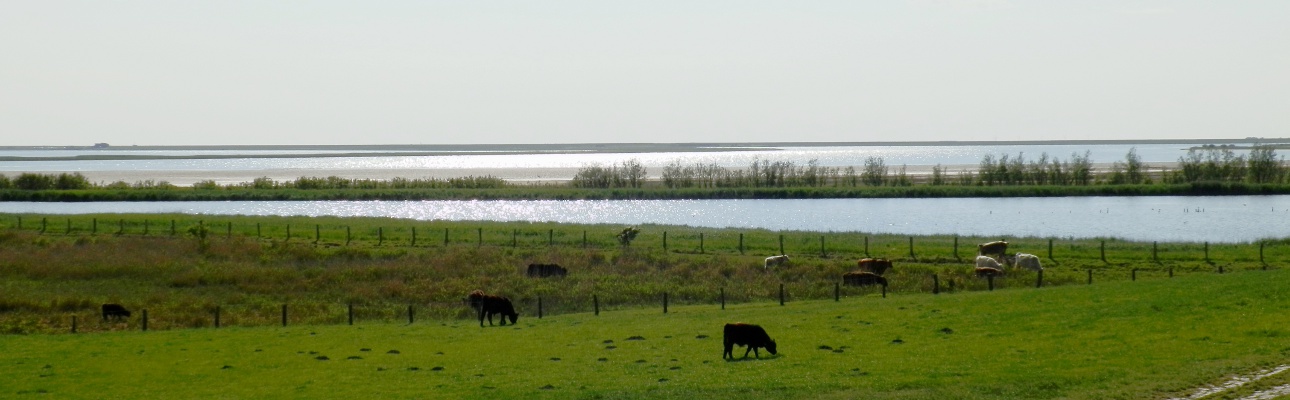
252,72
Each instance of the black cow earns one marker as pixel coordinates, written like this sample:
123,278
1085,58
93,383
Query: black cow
116,311
545,270
863,278
487,305
749,335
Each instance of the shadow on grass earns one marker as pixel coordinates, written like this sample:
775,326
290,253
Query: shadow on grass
754,358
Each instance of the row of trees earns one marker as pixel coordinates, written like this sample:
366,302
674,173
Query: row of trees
30,181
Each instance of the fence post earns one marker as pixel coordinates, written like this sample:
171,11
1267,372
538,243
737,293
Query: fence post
228,234
380,236
69,228
665,302
410,314
1171,272
351,313
414,236
911,248
258,235
1090,277
120,226
664,241
44,223
317,233
445,236
1050,250
936,284
741,243
781,244
145,227
1154,251
550,237
822,252
595,301
1206,251
990,279
866,246
288,232
284,315
723,298
539,307
837,291
701,250
1103,251
956,247
217,316
514,234
781,294
94,228
1134,275
73,324
145,320
1220,269
1261,255
348,237
172,226
1039,280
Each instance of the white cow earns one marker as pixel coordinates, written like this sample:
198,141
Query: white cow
1027,261
775,261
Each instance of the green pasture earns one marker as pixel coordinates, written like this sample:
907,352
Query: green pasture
1146,339
245,270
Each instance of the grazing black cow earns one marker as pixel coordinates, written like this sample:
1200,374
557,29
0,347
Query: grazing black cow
545,270
749,335
487,305
874,265
863,278
115,311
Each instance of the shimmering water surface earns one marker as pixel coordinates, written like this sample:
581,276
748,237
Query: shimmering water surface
1228,219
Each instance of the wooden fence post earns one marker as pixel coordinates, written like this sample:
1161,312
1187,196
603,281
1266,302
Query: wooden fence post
1090,277
911,248
410,319
145,227
837,291
990,280
701,250
1050,250
73,324
1261,255
380,236
44,223
145,320
1171,272
595,301
781,244
1133,276
665,302
550,237
781,294
317,233
69,228
723,298
348,236
351,313
884,291
216,316
1154,252
1103,251
445,236
664,241
414,236
936,284
539,307
866,246
823,253
1206,251
94,228
741,243
284,315
228,234
514,237
1039,279
258,235
172,226
956,248
1220,269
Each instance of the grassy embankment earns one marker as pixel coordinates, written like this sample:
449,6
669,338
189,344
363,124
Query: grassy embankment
559,192
250,268
1123,340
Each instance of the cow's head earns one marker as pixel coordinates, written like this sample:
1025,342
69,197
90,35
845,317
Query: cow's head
514,318
770,346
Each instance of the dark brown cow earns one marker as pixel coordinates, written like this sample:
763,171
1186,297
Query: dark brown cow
116,311
995,249
545,270
487,305
749,335
863,278
877,266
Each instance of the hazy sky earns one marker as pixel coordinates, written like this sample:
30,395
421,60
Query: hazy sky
425,72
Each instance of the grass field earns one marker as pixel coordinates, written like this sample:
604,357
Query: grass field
1144,339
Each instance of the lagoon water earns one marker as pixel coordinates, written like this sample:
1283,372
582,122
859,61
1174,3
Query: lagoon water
1227,219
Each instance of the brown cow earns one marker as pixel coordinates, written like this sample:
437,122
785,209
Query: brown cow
545,270
877,266
749,335
116,311
996,249
863,278
488,304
